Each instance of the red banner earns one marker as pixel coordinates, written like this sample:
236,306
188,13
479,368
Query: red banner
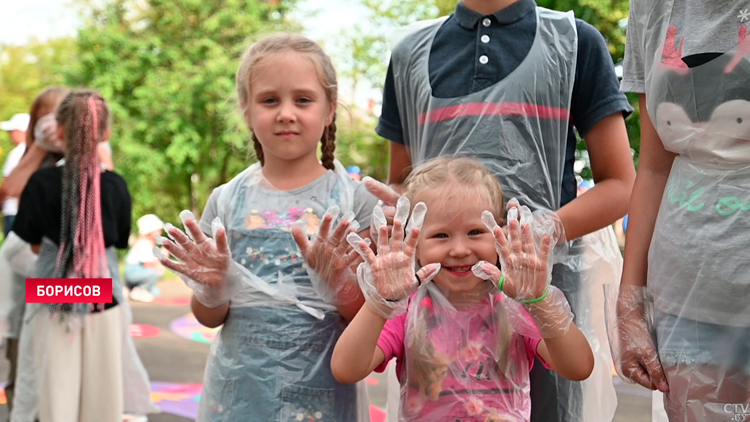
68,290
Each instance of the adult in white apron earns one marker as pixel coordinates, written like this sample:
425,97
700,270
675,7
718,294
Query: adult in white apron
695,162
518,129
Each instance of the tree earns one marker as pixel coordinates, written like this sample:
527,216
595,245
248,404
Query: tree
167,69
357,143
27,69
608,16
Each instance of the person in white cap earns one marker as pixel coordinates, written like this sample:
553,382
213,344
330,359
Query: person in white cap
16,126
142,269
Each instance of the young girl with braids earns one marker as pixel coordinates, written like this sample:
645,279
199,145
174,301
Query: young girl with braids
464,335
283,299
74,215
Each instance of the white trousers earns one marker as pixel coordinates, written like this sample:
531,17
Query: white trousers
80,372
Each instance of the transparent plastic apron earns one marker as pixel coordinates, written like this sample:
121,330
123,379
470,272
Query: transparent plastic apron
518,129
271,359
462,361
699,270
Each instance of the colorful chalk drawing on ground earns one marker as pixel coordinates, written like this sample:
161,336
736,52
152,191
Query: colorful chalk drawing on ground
177,399
143,330
3,399
182,400
188,327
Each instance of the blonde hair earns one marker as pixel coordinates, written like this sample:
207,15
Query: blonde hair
284,43
445,178
442,180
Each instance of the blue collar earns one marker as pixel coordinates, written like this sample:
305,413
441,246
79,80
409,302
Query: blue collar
468,18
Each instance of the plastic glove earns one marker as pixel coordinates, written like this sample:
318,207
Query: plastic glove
388,279
385,212
206,264
518,317
527,271
330,258
523,255
45,134
633,350
542,221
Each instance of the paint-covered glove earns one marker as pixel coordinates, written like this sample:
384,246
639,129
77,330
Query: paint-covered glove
388,278
330,258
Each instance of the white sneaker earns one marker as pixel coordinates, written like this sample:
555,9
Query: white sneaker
141,295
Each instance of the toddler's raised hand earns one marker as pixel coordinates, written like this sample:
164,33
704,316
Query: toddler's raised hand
205,264
388,279
523,250
524,265
330,258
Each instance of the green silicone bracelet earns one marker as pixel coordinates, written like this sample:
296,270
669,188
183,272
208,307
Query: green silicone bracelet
539,299
500,283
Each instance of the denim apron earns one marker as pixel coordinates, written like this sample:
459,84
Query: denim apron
271,359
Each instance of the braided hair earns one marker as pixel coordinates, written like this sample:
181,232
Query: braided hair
84,116
283,43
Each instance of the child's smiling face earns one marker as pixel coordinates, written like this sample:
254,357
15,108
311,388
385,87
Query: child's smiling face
454,235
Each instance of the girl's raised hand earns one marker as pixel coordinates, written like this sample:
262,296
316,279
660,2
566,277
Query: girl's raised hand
204,262
330,258
524,252
525,266
388,279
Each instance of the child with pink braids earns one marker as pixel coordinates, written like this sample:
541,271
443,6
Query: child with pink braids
74,215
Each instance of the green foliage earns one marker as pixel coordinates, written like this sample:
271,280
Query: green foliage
633,124
605,15
357,143
167,69
27,69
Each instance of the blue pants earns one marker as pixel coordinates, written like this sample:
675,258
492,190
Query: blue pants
141,276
